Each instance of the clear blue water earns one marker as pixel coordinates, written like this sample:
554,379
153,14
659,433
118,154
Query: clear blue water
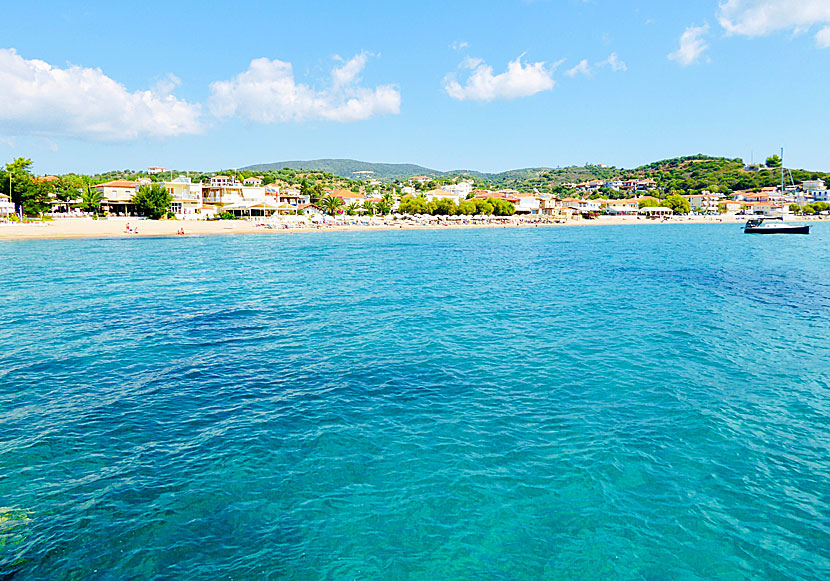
638,402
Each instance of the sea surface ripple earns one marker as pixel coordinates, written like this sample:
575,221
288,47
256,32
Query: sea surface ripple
635,402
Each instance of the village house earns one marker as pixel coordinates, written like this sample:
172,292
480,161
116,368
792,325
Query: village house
6,206
461,189
220,181
187,196
583,206
257,181
528,204
442,194
731,206
705,201
156,170
117,196
347,196
625,207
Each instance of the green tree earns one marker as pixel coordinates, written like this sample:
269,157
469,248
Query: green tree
502,207
679,204
369,206
25,192
413,205
774,161
331,205
352,208
648,203
466,208
64,191
443,207
152,201
795,208
383,207
483,206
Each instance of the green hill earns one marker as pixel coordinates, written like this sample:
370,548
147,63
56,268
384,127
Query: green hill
351,169
688,174
387,172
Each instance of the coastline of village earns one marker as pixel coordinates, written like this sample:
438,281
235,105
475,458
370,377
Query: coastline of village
196,207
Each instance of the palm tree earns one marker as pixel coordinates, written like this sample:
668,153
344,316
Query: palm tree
91,200
352,208
369,207
389,198
331,204
383,207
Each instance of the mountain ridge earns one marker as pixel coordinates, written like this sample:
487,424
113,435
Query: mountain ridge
351,168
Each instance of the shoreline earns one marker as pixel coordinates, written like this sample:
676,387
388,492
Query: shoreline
71,228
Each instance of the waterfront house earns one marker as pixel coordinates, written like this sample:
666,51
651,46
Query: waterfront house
217,197
187,196
6,205
627,207
310,210
731,206
705,201
528,204
769,208
582,206
117,196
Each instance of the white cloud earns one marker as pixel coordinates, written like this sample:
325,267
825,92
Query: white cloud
459,45
349,73
519,80
615,63
268,93
581,69
42,100
823,37
692,45
762,17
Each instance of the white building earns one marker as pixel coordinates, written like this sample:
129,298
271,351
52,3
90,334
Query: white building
187,197
442,195
155,169
220,181
808,185
527,203
821,195
6,205
461,189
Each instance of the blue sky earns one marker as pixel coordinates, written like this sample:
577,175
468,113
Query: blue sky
449,85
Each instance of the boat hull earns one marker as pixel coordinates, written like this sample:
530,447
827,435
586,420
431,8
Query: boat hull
778,230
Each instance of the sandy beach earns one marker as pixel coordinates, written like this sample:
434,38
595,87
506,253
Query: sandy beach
117,227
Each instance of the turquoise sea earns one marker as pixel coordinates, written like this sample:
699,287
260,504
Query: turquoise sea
633,402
